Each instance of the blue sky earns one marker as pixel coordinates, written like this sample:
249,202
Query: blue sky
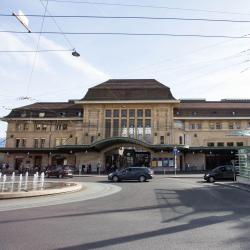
211,68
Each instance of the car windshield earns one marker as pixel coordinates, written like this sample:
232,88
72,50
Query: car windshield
218,169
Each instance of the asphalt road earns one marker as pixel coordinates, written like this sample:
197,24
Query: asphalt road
165,213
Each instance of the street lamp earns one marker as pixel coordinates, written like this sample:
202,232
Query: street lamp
75,53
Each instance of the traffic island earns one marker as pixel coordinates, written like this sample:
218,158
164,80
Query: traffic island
10,190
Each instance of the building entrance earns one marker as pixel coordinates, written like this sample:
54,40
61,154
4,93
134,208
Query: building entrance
126,157
213,161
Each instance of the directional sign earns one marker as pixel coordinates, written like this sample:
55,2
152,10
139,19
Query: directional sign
175,151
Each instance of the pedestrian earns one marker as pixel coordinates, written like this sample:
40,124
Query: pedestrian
83,169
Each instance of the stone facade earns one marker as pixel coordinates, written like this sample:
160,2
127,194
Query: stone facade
94,129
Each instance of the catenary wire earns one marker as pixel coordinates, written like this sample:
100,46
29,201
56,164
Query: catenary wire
125,34
133,17
148,6
59,28
34,51
37,46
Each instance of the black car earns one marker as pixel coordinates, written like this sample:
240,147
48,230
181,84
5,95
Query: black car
226,172
132,173
59,172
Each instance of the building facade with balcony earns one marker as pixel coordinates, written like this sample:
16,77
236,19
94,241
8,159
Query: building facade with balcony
127,122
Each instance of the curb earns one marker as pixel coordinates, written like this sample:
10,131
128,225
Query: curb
23,194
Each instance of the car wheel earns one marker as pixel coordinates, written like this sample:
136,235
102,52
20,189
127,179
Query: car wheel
211,179
142,178
115,178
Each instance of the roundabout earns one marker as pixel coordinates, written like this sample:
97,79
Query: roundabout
69,193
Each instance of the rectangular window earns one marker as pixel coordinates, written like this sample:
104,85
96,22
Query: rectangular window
237,125
199,126
239,144
18,143
26,126
230,144
115,127
161,139
148,123
116,113
19,127
65,126
220,144
211,125
107,128
124,113
139,112
44,127
108,113
58,141
191,126
148,112
42,143
210,144
36,143
218,125
139,123
124,132
131,127
38,126
131,113
248,125
92,138
139,129
24,142
231,125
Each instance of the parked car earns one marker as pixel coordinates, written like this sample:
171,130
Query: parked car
132,173
226,172
59,172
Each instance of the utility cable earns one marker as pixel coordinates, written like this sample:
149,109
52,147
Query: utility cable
125,34
37,46
59,28
148,6
35,51
132,17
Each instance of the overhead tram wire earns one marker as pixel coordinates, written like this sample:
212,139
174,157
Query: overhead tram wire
148,6
125,34
34,51
132,17
37,46
59,28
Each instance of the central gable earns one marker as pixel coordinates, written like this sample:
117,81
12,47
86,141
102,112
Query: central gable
128,90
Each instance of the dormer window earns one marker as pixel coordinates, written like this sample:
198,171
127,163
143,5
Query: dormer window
62,114
23,114
233,113
41,114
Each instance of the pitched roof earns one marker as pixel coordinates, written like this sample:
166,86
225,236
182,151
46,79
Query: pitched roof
129,89
223,108
50,109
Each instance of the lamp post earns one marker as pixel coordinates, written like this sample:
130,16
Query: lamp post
175,159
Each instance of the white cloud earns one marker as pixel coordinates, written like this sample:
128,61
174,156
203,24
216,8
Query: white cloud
75,63
12,42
